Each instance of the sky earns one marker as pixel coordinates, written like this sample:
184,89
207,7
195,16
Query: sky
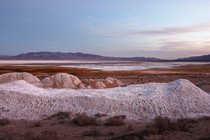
166,29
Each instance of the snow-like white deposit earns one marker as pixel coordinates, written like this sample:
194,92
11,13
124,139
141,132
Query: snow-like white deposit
62,80
178,99
13,76
103,83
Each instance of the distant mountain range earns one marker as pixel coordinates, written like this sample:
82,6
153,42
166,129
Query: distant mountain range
71,56
93,57
196,58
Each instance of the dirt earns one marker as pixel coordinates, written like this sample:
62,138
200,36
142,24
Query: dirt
196,129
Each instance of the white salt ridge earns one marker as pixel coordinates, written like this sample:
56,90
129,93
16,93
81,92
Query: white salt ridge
178,99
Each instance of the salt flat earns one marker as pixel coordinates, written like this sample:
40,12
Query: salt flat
101,65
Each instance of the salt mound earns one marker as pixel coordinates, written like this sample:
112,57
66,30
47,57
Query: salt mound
178,99
14,76
112,82
103,83
62,80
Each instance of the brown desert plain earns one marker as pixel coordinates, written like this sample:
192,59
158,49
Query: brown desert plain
61,126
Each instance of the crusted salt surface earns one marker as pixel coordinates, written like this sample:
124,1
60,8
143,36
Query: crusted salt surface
178,99
103,83
13,76
62,80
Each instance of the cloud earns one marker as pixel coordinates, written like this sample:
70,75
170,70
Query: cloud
207,43
170,48
161,53
163,31
174,30
178,45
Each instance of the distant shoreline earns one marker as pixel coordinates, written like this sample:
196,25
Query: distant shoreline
102,65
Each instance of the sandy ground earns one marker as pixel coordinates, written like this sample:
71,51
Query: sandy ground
64,129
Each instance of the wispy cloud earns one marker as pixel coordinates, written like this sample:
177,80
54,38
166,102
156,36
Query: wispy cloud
176,30
163,48
178,45
163,31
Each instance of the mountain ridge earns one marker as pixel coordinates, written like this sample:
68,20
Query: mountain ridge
70,56
196,58
47,55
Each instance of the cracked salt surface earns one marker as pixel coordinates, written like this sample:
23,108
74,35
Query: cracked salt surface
144,102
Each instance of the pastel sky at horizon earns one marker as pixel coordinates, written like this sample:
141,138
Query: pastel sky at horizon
165,29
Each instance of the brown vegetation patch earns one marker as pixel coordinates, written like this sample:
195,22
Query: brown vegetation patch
99,115
37,124
84,120
45,135
61,115
159,127
4,122
116,120
92,133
